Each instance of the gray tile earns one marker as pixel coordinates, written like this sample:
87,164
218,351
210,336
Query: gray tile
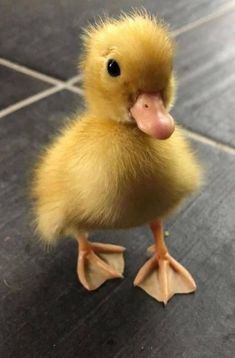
16,86
43,306
44,35
206,71
78,83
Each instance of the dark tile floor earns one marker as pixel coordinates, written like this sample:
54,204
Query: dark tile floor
23,85
44,311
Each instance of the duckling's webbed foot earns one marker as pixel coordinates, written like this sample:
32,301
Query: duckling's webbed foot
98,263
162,276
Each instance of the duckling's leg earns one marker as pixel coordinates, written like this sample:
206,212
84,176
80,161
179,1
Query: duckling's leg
98,263
162,276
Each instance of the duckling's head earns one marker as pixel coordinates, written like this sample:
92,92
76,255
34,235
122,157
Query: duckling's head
128,76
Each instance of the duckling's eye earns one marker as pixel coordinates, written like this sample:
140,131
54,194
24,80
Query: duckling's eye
113,68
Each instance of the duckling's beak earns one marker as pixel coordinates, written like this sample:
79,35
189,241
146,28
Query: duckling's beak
152,117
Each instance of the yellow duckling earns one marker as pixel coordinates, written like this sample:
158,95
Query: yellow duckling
123,162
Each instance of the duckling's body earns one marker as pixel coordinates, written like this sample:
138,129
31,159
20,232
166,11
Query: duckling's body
106,174
122,163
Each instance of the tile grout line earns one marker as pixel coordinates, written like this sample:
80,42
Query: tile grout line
74,79
49,79
74,89
40,95
30,72
38,75
29,100
209,141
204,20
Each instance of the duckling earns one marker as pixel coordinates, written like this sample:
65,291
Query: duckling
123,162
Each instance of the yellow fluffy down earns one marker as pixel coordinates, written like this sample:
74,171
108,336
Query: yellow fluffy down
102,171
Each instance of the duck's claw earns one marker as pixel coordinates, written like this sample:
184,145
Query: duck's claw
163,277
98,263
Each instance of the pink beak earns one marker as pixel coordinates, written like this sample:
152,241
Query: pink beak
152,117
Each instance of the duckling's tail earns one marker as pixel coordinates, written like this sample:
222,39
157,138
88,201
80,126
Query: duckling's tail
49,223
